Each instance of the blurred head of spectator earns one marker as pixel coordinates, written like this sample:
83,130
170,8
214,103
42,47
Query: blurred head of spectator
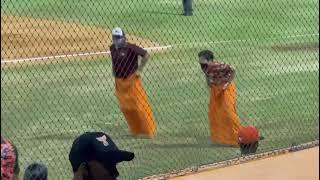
94,156
36,171
248,139
9,160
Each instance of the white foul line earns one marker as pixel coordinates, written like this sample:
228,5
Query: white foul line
51,57
46,58
14,61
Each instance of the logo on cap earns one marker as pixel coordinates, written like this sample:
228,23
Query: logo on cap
103,139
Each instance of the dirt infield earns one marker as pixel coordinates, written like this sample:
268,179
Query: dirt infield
301,165
23,37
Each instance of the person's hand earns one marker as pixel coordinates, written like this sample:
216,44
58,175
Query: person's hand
209,82
138,72
225,86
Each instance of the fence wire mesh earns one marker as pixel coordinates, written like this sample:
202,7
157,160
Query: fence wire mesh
58,79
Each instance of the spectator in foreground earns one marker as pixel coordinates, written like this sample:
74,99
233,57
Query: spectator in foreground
94,156
9,160
248,139
36,171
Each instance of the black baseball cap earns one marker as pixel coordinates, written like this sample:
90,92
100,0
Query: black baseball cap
207,55
96,146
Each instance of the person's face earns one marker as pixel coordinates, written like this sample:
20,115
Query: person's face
203,66
203,63
94,170
118,41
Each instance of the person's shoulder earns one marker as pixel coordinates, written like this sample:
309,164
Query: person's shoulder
132,45
217,62
137,49
214,66
219,65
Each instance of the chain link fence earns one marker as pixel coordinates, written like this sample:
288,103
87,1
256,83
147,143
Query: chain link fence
57,80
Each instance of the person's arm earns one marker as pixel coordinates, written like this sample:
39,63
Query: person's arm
232,73
208,81
113,72
143,61
141,53
229,78
16,169
211,78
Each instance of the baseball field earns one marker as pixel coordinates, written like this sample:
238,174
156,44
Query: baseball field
56,79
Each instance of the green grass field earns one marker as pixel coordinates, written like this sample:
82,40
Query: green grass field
44,107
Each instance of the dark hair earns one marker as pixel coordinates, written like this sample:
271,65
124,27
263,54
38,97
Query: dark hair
36,171
247,149
207,54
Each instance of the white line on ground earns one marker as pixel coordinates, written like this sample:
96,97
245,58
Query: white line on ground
46,58
51,57
14,61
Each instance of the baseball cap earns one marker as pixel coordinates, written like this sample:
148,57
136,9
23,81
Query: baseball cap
205,56
248,135
117,32
96,146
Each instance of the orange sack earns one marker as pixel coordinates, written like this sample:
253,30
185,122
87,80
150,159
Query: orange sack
134,105
223,119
